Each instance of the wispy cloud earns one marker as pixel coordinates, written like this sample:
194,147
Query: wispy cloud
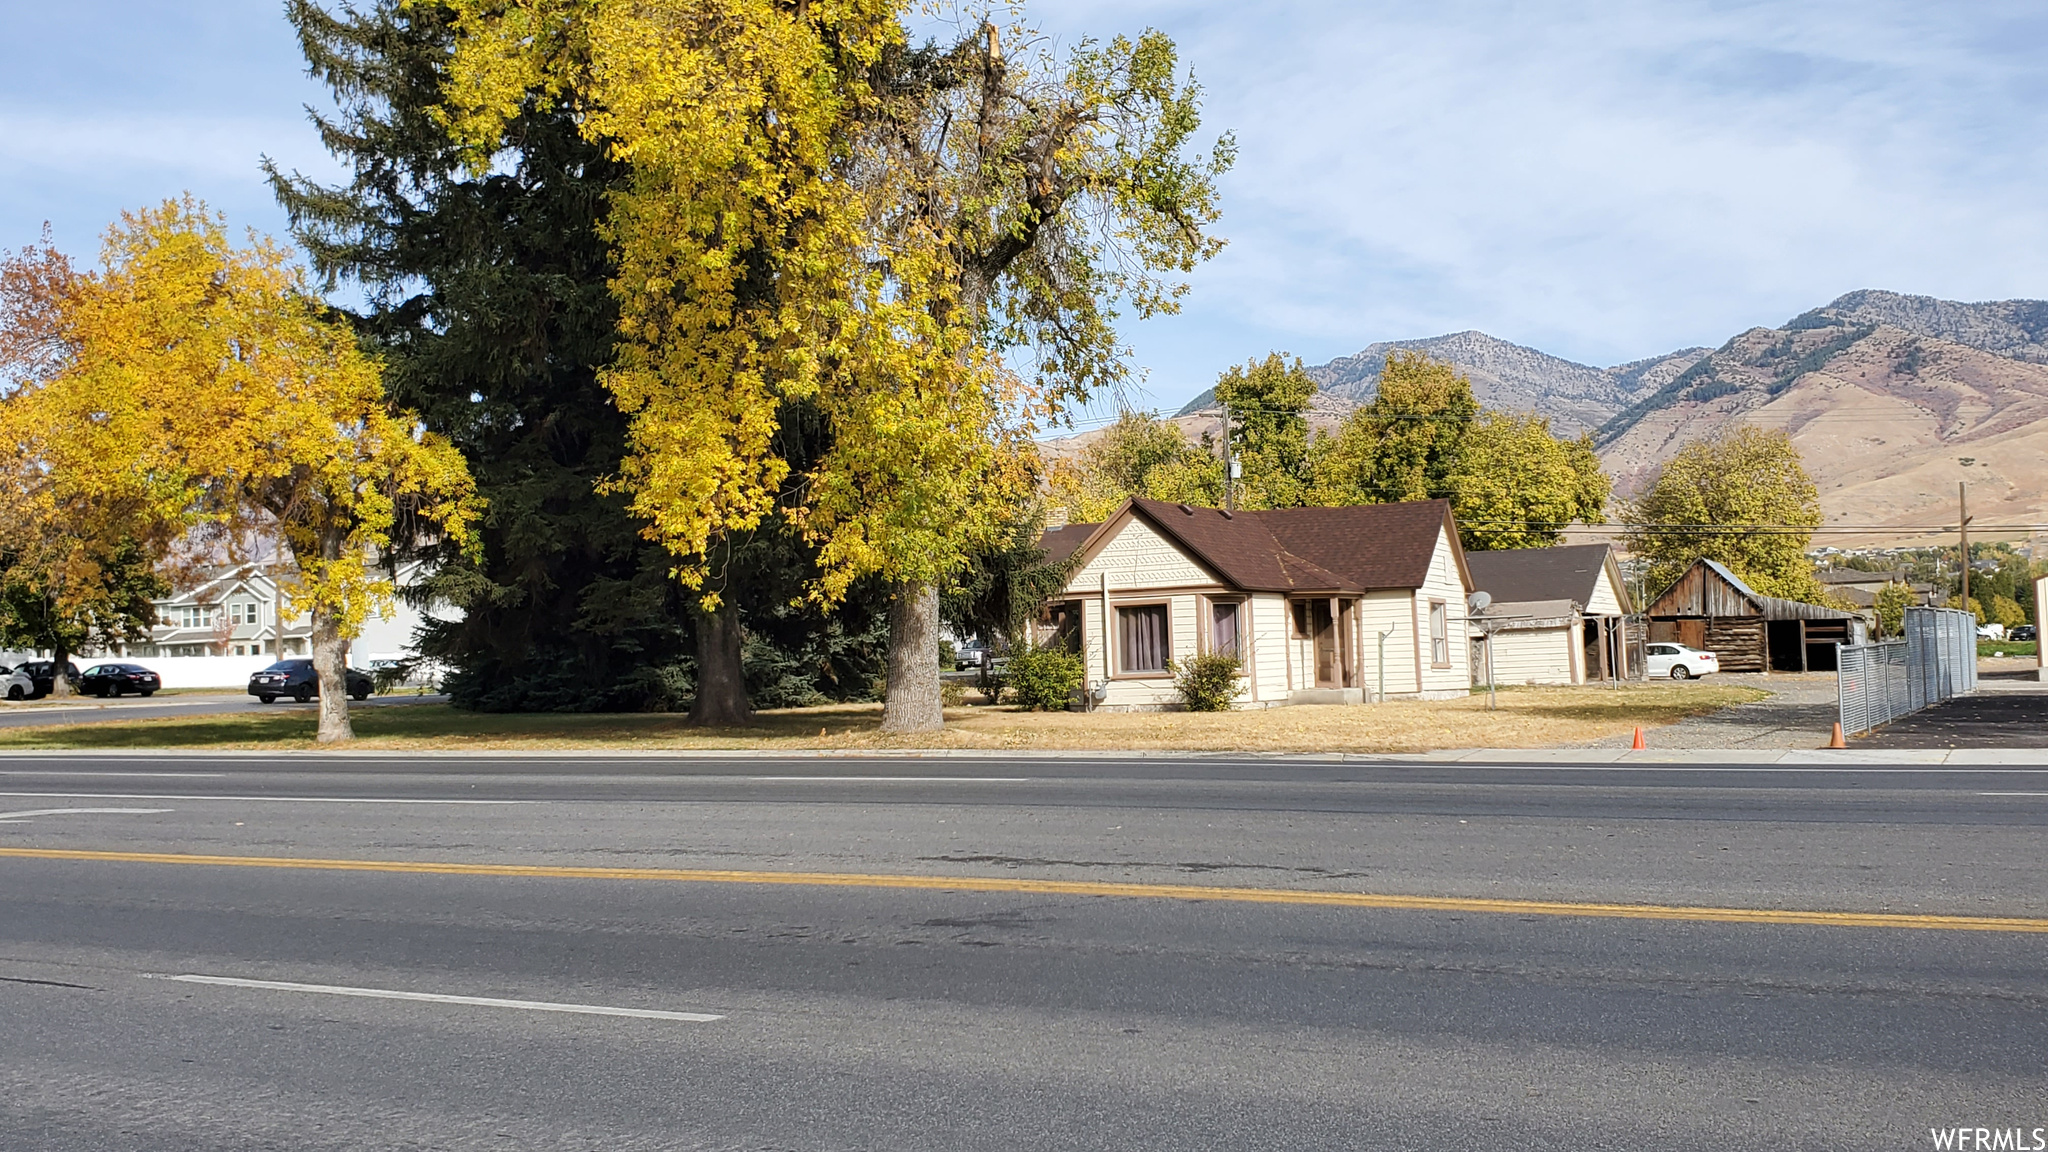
1605,181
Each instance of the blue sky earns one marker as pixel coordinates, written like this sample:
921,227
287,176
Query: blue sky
1603,181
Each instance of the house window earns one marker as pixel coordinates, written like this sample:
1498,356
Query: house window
1439,634
1223,627
1142,644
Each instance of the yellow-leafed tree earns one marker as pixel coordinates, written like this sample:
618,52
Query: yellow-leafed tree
737,242
1018,198
824,222
208,392
76,560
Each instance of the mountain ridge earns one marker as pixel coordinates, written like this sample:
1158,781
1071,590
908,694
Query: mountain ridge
1892,398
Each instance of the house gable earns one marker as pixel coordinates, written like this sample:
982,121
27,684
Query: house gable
1610,592
1130,553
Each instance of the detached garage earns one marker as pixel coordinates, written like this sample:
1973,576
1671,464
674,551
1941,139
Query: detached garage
1711,609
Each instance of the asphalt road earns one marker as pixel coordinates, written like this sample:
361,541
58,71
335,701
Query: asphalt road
2005,719
993,955
93,710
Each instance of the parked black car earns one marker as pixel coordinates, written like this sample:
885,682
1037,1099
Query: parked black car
296,679
115,679
2023,632
39,672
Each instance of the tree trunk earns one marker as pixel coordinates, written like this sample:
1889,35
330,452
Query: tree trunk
330,664
60,684
912,703
721,700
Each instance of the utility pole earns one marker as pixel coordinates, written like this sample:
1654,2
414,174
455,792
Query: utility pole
1963,511
1229,467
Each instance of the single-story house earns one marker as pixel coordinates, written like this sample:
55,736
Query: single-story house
1322,605
1556,616
1710,608
1859,589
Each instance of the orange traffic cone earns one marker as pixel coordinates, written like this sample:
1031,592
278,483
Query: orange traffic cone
1836,740
1638,746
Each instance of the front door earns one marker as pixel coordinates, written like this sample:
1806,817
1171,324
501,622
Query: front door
1324,631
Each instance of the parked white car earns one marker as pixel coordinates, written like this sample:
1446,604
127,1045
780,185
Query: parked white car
18,685
1681,663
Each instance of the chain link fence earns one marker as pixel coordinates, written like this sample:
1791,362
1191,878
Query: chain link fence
1937,660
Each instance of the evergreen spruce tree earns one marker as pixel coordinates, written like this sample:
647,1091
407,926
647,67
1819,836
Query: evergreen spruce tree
488,298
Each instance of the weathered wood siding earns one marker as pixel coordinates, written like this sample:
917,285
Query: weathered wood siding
1738,643
1700,592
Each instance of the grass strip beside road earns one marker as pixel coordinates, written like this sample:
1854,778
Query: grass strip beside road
1527,718
1009,884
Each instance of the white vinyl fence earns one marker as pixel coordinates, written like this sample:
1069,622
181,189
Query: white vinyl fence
1937,660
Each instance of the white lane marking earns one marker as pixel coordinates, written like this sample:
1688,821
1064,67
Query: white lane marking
867,779
254,799
6,817
2012,793
438,998
150,775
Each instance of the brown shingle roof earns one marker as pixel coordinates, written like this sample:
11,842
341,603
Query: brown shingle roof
1571,572
1373,545
1353,549
1060,543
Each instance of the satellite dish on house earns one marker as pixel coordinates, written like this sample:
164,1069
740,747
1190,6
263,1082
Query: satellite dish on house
1478,601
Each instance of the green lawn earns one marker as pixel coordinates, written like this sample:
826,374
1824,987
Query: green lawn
2008,647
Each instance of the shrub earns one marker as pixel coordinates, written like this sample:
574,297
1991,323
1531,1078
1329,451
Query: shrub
952,694
1207,683
1044,679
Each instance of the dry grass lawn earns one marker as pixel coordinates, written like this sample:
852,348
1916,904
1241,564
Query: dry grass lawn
1527,718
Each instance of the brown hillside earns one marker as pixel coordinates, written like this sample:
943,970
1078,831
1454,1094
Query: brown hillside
1888,422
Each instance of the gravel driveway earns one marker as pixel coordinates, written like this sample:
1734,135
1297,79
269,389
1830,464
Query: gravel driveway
1800,713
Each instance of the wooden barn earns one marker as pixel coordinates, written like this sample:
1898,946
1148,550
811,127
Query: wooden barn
1711,609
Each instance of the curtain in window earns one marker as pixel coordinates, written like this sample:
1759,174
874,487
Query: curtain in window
1142,636
1223,629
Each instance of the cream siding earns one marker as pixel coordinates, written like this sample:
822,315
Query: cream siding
1605,601
1378,612
1444,583
1139,558
1532,656
1135,561
1269,647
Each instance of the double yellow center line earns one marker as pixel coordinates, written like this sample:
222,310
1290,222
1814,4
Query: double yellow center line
1007,884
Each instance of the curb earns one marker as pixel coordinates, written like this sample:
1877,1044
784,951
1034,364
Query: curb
1848,760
